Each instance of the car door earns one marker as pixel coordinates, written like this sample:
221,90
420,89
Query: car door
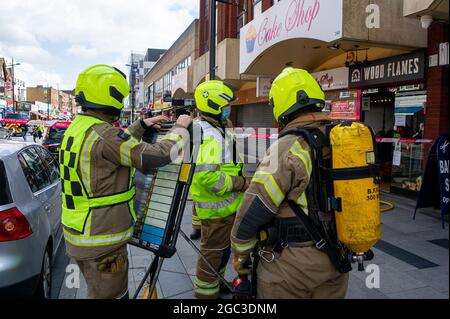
56,201
41,185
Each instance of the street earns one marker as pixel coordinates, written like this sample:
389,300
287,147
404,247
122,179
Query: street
413,260
300,143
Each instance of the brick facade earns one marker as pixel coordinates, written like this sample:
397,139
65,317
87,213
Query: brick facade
227,16
436,121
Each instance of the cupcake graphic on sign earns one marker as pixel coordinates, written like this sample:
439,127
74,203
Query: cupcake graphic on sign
251,39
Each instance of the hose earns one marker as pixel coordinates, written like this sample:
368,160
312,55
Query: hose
389,207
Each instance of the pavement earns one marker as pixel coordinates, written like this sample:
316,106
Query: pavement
412,258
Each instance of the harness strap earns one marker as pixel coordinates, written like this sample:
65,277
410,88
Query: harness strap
340,262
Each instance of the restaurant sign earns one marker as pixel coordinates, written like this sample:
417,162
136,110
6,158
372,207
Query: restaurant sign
397,69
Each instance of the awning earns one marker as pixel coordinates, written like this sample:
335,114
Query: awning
14,121
38,114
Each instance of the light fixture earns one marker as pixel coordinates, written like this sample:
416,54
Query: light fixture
426,21
335,46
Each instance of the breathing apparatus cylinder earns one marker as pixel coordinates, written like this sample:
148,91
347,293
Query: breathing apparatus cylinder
358,219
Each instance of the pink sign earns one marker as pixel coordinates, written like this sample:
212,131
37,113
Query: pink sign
289,19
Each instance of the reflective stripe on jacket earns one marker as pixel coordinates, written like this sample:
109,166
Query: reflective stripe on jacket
213,187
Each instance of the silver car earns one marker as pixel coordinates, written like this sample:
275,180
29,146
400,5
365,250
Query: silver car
30,218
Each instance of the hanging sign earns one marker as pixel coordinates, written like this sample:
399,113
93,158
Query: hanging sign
401,68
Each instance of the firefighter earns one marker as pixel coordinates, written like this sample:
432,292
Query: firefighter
217,184
97,163
297,270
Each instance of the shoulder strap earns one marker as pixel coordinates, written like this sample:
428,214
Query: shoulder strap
340,262
317,189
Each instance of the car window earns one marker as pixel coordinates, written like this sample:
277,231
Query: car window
28,174
5,194
51,162
56,133
37,169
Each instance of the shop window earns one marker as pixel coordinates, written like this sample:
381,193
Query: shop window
257,8
240,22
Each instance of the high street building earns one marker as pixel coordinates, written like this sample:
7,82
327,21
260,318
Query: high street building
61,103
139,65
384,63
171,77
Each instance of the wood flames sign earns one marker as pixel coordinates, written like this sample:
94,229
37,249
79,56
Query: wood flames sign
289,19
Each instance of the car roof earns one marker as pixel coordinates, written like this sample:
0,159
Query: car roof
8,147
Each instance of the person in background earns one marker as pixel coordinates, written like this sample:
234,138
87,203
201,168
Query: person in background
24,132
35,134
39,132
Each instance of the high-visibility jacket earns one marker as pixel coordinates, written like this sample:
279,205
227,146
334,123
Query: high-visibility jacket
77,204
212,189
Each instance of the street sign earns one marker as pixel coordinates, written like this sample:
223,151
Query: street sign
434,191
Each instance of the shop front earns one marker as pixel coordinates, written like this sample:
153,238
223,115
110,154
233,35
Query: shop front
342,103
393,103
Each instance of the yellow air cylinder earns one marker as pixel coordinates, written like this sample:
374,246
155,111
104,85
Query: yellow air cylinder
359,223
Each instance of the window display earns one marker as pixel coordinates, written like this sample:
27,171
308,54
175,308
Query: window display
407,166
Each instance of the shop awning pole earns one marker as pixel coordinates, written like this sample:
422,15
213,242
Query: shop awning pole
212,41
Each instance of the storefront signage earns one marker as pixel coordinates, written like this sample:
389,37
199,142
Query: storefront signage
409,105
436,176
311,19
263,85
402,68
344,110
443,53
365,104
335,79
400,120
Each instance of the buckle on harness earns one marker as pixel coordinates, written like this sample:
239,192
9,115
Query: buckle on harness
321,244
262,253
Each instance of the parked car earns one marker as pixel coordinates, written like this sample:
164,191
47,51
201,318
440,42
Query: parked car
54,136
30,218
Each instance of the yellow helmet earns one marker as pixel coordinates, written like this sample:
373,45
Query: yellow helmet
102,87
292,91
212,96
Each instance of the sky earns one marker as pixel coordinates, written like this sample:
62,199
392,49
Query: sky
54,40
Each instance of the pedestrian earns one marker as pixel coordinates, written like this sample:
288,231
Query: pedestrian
97,164
24,132
217,184
35,133
39,132
293,268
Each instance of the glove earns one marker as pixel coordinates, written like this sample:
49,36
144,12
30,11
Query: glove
112,264
241,264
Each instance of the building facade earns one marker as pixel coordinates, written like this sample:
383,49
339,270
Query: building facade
139,65
378,61
61,103
171,78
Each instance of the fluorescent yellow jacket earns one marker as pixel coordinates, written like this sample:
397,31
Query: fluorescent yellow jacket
217,181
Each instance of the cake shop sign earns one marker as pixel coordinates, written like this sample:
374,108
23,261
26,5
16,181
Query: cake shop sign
290,19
